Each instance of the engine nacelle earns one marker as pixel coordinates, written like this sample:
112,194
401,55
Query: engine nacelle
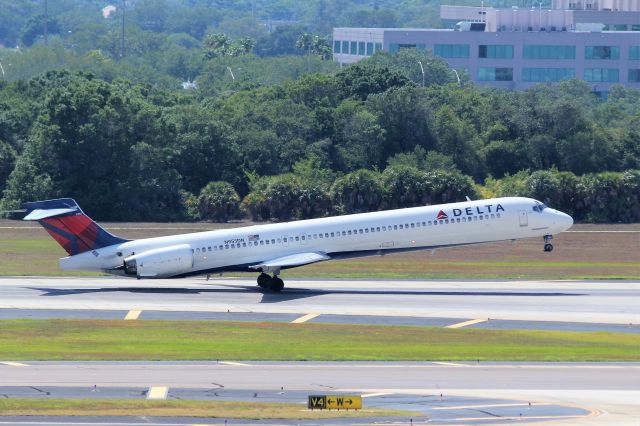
160,263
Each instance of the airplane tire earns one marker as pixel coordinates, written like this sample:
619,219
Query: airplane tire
548,247
264,281
276,284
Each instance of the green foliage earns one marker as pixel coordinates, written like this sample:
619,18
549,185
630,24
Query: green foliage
285,197
362,79
218,201
7,161
358,192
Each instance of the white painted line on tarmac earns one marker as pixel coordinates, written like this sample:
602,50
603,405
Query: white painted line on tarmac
466,323
13,364
304,318
462,407
132,315
371,395
604,232
235,363
502,418
158,392
452,364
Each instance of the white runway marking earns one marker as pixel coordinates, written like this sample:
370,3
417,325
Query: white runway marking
235,363
463,407
304,318
371,395
453,364
13,364
466,323
158,392
132,315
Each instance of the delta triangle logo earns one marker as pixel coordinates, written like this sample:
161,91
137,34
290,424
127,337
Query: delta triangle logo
442,215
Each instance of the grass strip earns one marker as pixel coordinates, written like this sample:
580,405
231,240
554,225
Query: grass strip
177,408
60,339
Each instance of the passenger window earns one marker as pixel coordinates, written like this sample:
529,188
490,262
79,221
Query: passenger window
209,248
378,229
486,216
326,235
233,246
424,223
321,236
197,250
498,215
435,222
349,232
458,220
429,223
273,241
396,227
344,233
297,238
384,228
226,246
442,222
266,242
360,231
400,226
413,225
480,217
493,216
262,242
284,239
332,235
464,219
366,230
220,247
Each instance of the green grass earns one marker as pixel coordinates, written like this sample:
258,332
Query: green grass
207,340
179,408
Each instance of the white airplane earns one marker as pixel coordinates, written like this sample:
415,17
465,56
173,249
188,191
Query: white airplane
269,249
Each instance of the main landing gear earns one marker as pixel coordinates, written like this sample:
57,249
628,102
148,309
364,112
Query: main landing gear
268,282
547,245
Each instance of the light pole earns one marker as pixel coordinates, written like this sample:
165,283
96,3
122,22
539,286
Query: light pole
457,76
122,40
422,70
2,69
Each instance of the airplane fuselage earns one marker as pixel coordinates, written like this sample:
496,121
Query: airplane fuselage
251,248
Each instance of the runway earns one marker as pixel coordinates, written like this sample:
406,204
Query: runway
441,302
604,393
601,393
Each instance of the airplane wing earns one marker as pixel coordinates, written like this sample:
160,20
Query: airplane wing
290,261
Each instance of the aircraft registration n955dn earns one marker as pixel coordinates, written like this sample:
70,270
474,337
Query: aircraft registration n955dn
271,248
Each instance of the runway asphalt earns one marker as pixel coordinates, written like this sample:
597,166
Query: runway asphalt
602,393
443,392
415,302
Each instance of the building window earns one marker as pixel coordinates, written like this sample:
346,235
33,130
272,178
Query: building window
620,27
369,48
354,48
361,48
495,74
634,76
603,75
495,51
602,52
540,51
451,50
336,46
345,47
635,27
547,74
378,47
634,53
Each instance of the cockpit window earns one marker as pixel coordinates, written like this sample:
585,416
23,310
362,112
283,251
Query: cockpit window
539,207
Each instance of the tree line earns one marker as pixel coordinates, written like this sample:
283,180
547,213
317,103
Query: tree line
132,151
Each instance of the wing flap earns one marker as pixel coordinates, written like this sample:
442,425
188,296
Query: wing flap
290,261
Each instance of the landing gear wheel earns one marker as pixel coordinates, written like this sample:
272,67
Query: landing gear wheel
276,284
548,247
264,281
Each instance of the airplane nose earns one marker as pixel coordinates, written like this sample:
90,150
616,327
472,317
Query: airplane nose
564,220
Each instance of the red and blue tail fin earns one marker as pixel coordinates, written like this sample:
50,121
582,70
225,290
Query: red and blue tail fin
69,226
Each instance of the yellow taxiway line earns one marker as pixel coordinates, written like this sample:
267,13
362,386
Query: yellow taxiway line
466,323
158,392
132,315
304,318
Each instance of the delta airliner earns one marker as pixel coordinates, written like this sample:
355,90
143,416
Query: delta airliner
268,249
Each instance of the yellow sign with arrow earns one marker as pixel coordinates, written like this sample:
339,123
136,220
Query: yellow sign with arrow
335,402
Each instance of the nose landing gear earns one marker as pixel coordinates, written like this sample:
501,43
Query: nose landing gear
275,283
547,245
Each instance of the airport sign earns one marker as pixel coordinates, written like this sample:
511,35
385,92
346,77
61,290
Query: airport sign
334,402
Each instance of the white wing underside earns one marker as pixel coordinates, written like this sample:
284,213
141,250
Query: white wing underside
298,259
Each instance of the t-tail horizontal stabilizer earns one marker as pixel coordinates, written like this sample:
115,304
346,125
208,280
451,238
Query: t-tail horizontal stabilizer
65,221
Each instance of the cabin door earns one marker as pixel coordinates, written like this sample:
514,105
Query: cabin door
524,220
